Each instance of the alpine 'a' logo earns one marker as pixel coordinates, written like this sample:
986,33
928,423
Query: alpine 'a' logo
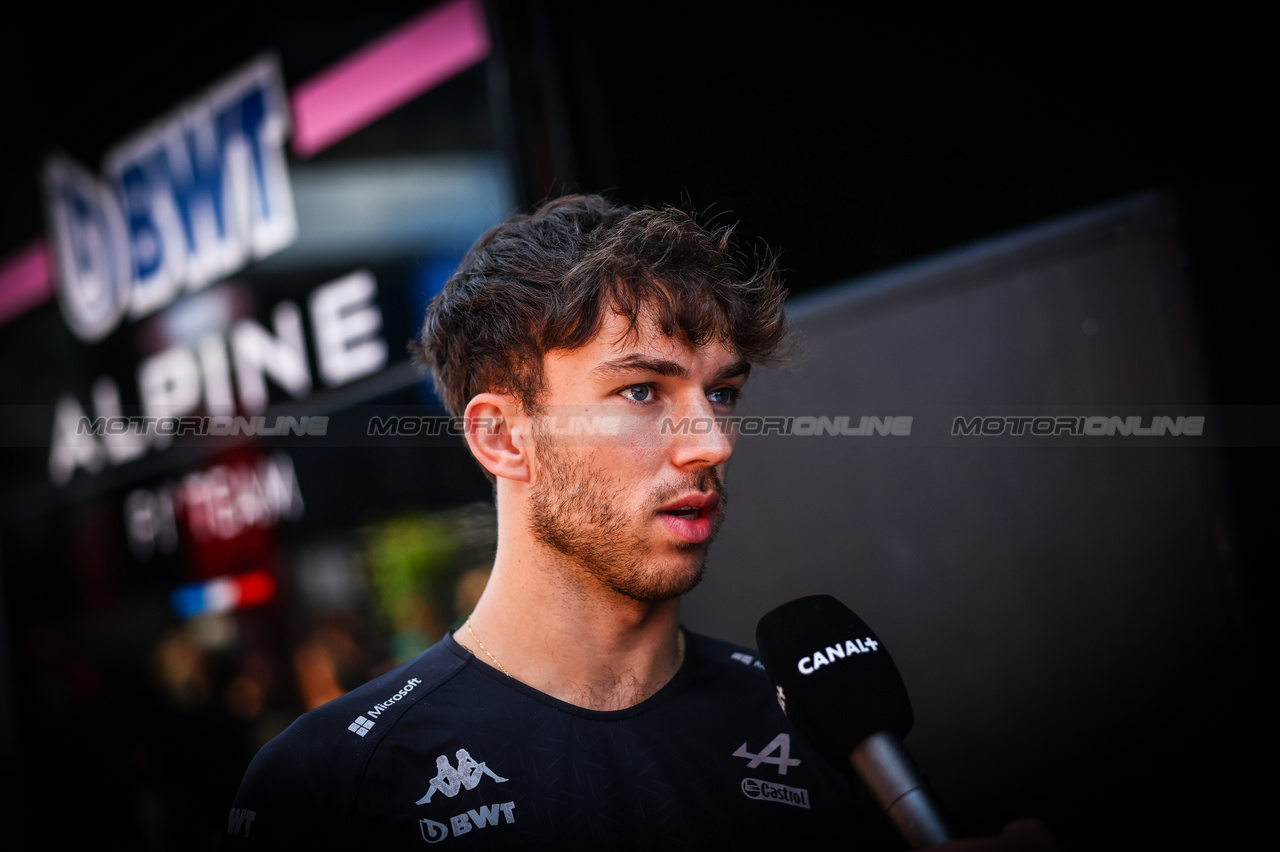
780,744
449,780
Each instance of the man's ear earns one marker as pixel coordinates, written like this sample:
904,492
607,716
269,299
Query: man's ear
498,434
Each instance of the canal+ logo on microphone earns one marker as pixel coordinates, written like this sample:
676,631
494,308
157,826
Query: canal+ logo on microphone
831,653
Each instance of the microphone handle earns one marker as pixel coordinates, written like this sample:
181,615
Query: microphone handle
898,787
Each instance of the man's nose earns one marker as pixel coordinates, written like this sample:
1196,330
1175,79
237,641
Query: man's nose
699,438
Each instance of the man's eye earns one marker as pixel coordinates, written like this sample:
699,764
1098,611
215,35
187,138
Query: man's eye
724,396
638,393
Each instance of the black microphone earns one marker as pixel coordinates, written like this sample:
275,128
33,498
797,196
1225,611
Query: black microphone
839,687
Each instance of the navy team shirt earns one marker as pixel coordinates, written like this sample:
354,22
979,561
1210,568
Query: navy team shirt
447,752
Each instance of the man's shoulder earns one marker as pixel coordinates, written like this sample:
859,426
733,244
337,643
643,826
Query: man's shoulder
363,715
727,659
728,674
316,763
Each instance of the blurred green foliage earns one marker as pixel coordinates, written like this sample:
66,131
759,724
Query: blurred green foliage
416,560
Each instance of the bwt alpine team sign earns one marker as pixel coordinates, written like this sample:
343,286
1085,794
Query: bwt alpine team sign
186,202
183,203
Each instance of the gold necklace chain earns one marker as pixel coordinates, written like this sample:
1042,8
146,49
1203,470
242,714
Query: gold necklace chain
679,647
486,650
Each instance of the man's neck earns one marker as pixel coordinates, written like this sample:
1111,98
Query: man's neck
539,622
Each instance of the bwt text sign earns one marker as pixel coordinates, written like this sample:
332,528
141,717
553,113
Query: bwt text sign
185,202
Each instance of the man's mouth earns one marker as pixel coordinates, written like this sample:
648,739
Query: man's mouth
691,517
692,505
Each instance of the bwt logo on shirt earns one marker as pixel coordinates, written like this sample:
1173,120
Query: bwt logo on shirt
240,821
482,817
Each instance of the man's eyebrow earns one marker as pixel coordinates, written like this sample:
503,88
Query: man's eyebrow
641,364
741,367
663,367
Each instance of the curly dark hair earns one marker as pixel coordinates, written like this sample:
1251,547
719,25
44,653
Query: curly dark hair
544,281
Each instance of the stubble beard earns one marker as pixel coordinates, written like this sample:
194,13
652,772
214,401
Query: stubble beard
572,511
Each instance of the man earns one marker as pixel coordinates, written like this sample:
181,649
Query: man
594,353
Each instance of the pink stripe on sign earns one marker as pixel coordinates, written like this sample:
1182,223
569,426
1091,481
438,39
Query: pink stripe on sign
391,71
26,280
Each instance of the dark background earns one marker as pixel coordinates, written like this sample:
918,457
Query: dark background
848,141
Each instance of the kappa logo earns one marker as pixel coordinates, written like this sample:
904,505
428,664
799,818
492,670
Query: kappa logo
780,744
467,775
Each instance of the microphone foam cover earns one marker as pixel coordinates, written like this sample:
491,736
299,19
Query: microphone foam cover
838,683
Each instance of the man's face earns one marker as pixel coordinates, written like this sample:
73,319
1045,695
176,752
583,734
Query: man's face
637,506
